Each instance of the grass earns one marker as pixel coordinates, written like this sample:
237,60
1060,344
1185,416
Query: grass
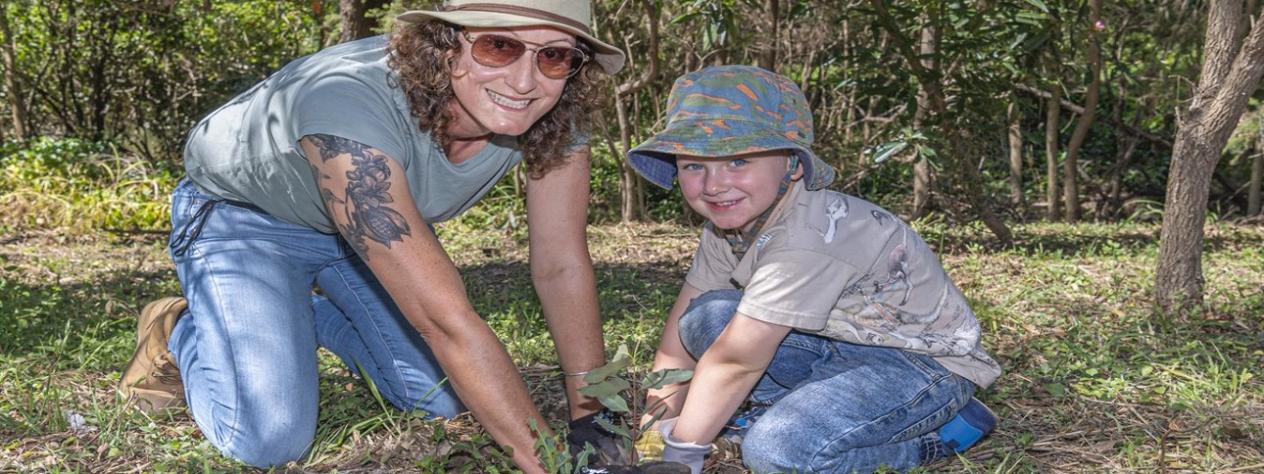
1095,379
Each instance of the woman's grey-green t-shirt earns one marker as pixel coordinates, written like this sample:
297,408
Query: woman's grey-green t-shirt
248,149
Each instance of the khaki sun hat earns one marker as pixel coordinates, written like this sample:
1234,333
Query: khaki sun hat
572,16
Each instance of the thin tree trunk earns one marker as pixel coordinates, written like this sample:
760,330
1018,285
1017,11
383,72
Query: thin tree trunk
768,57
354,23
630,209
965,174
1115,191
921,170
1053,196
1257,175
632,206
17,106
1231,71
1085,123
1015,157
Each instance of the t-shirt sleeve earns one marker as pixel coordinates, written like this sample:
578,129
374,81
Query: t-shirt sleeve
796,288
579,139
711,268
346,106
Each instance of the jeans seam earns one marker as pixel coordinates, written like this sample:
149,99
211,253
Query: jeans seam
231,442
407,396
934,383
827,446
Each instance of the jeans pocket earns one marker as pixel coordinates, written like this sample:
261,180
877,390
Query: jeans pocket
180,242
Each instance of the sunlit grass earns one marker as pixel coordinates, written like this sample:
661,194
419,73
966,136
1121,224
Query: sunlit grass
1097,380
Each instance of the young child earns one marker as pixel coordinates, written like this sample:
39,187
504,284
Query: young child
829,313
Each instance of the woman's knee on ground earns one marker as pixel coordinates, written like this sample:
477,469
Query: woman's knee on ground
272,441
705,318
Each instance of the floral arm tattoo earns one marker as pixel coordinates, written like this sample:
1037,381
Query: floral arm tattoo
368,185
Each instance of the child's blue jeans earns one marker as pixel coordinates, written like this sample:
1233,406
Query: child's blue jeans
836,406
247,345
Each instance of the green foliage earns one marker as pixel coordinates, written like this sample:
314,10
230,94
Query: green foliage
78,185
141,73
608,386
554,455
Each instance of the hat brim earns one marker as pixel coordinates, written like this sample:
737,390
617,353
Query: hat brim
655,160
610,58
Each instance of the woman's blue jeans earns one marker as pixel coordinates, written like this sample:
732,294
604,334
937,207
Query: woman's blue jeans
246,347
836,406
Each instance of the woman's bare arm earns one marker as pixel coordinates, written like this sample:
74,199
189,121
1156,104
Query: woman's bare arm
369,199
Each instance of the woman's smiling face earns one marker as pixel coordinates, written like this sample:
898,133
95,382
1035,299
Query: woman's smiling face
504,100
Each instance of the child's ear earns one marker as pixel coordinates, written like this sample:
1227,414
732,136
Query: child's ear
798,167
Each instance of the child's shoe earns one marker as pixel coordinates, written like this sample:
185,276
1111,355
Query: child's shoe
971,424
736,427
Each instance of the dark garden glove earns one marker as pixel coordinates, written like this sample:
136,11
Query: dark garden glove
608,445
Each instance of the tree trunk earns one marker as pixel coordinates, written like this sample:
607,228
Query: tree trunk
1071,166
768,56
965,175
1231,71
1053,196
1015,157
17,106
1257,175
921,170
630,209
1114,194
355,24
632,206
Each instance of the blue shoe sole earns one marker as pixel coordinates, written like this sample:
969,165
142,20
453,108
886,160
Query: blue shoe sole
971,424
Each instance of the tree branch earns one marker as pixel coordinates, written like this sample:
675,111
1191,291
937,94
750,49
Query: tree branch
1078,109
651,70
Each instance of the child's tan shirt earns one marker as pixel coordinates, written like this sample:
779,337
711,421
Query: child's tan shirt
841,267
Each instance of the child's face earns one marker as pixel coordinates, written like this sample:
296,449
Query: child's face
732,191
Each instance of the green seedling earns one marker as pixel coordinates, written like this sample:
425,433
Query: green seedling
606,384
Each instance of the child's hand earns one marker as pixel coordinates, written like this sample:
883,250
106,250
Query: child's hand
689,454
658,444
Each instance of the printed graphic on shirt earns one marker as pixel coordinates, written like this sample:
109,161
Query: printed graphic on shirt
836,211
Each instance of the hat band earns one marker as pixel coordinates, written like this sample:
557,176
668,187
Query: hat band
523,11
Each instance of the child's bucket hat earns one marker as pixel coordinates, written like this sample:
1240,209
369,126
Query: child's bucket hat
731,110
571,16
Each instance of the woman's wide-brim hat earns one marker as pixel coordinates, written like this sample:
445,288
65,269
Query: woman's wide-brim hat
572,16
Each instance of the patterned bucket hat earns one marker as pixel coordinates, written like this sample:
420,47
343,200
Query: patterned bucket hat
731,110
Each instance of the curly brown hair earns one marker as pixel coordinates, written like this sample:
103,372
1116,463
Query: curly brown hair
419,54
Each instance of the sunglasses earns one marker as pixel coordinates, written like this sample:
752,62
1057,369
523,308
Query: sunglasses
555,62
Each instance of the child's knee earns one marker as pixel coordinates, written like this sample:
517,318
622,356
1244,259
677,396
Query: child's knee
765,450
705,319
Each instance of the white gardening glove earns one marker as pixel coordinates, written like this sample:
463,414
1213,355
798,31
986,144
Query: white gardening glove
674,450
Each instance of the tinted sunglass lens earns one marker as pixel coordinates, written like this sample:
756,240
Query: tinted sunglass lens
497,51
559,62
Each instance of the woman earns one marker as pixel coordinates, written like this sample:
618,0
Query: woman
331,172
